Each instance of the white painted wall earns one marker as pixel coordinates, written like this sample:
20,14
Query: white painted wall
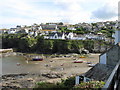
11,31
103,59
77,81
117,36
31,33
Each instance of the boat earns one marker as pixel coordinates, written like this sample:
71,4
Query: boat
18,64
91,65
37,59
88,62
78,61
82,57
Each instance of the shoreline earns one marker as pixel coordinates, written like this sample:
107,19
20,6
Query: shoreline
53,69
29,55
29,80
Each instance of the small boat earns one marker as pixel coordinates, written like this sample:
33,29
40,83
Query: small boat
18,64
91,65
37,59
82,57
78,61
88,62
62,64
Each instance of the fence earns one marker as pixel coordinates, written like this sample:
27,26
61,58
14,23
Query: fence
113,82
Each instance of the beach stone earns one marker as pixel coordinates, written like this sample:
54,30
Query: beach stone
29,79
52,75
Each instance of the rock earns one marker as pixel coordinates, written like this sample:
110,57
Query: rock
52,75
29,79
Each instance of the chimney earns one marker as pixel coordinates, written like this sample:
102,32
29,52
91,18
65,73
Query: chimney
117,34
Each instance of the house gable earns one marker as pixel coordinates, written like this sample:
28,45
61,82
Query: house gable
56,35
111,56
69,35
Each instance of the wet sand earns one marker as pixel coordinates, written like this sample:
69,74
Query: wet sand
51,70
66,66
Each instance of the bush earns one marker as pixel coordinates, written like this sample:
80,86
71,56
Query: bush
91,85
69,82
47,85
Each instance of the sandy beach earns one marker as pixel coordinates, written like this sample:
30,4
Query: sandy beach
66,65
51,70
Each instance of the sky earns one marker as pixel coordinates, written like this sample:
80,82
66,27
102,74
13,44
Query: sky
28,12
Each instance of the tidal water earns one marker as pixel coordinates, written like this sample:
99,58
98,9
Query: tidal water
17,64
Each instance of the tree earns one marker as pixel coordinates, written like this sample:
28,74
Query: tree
76,45
89,45
39,47
60,23
48,46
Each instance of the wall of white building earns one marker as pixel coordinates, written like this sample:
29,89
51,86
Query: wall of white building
117,36
11,31
103,59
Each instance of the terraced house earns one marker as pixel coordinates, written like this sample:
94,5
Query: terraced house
112,56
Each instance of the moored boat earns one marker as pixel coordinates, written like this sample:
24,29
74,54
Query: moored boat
82,57
91,65
37,59
18,64
78,61
88,62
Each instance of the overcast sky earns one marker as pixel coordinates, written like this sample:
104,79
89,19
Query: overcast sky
27,12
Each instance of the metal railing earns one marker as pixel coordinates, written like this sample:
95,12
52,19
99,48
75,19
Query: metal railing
113,82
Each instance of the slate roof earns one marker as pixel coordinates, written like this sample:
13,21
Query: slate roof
58,33
99,72
59,26
51,34
66,33
48,27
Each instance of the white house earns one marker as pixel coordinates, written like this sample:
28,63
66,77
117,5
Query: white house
95,37
69,35
27,30
71,28
56,36
18,28
40,28
79,37
12,31
59,35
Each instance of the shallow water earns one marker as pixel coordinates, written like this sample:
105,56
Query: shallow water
10,65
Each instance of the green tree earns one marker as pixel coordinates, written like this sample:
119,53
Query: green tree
48,46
